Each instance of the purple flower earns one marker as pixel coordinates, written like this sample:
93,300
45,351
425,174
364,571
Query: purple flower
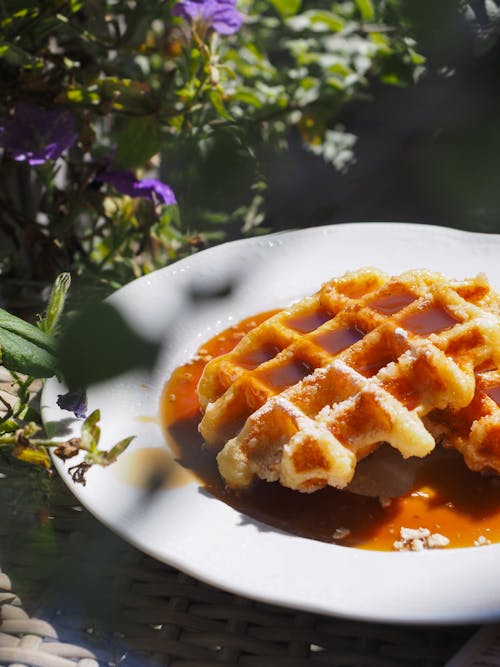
149,188
74,401
35,134
220,15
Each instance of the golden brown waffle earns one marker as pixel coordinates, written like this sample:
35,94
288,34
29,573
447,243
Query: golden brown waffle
475,429
315,388
269,359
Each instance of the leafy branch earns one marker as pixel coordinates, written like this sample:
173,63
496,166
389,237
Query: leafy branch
30,354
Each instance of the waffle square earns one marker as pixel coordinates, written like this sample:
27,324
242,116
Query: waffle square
367,359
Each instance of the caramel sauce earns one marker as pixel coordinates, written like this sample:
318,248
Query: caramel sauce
309,322
253,358
374,366
369,361
429,320
392,303
403,390
442,494
285,375
494,393
339,339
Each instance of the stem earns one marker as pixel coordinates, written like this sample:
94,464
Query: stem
6,405
9,440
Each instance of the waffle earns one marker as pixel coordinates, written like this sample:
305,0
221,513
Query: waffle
474,430
367,359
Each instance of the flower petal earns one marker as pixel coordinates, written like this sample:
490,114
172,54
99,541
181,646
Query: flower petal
149,188
35,134
74,401
220,15
155,189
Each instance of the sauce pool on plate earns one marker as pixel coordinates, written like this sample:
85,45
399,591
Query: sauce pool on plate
442,494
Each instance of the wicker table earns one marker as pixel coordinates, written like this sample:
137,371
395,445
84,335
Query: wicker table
72,593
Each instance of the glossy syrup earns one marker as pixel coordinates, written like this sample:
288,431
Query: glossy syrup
432,319
339,339
392,303
310,321
494,393
443,495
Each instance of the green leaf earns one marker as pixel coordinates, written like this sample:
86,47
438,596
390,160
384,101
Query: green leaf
91,432
24,330
138,140
382,42
37,456
15,55
248,96
127,95
215,97
75,6
118,449
25,348
81,96
8,425
287,7
56,303
317,20
366,9
22,356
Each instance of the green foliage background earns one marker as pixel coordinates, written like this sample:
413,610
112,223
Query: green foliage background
200,111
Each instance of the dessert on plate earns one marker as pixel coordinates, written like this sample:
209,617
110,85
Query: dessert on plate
369,359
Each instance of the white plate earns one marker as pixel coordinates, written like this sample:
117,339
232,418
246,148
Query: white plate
204,537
